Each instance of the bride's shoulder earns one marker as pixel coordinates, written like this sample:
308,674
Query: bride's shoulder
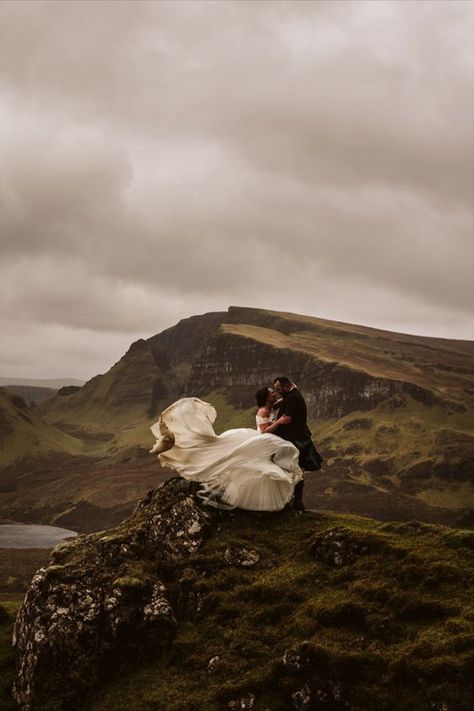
262,412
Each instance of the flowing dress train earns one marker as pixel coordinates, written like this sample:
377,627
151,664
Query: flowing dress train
241,467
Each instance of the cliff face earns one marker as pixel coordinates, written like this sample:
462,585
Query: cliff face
340,367
178,608
240,365
102,597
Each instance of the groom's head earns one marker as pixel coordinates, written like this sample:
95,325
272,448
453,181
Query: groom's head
282,384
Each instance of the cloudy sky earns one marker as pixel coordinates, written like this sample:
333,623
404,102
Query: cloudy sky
161,159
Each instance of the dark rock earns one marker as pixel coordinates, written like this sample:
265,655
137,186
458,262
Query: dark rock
326,694
245,703
341,546
301,699
102,598
298,658
241,557
331,695
213,665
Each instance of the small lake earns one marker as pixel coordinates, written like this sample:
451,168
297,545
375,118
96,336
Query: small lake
25,535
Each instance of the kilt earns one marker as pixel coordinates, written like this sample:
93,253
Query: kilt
309,460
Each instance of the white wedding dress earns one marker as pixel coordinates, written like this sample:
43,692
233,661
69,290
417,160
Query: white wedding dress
241,467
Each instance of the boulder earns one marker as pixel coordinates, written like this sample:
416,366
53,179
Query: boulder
101,598
342,546
240,556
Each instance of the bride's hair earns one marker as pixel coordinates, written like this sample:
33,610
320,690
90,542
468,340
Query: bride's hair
261,396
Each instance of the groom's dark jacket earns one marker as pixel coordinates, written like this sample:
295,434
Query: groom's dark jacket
294,405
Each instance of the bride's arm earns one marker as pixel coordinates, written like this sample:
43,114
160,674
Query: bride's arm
272,426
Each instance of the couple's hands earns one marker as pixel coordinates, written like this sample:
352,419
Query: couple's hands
283,420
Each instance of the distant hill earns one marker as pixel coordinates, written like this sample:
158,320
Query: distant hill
392,413
24,435
54,383
31,393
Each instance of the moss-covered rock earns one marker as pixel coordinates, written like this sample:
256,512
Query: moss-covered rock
180,610
106,599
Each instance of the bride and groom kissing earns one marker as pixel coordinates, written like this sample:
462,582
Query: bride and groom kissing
290,424
254,469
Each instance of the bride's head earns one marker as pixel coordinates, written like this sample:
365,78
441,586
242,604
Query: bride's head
265,397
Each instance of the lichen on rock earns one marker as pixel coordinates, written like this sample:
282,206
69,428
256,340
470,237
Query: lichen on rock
341,546
241,556
101,597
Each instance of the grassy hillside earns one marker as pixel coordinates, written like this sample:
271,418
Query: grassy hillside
24,434
108,402
401,447
353,612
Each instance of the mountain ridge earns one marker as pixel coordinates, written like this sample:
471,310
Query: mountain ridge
412,395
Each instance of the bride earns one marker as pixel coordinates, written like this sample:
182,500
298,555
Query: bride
245,468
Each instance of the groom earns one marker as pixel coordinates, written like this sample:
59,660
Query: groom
297,431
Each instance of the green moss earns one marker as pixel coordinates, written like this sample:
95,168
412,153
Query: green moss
451,495
459,539
128,581
389,630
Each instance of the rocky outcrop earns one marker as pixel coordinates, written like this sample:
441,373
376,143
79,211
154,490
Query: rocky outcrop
181,342
103,596
339,546
248,610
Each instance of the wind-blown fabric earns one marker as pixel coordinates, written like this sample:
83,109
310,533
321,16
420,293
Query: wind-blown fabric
242,467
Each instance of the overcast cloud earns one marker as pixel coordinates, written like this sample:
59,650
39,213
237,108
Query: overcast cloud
161,159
